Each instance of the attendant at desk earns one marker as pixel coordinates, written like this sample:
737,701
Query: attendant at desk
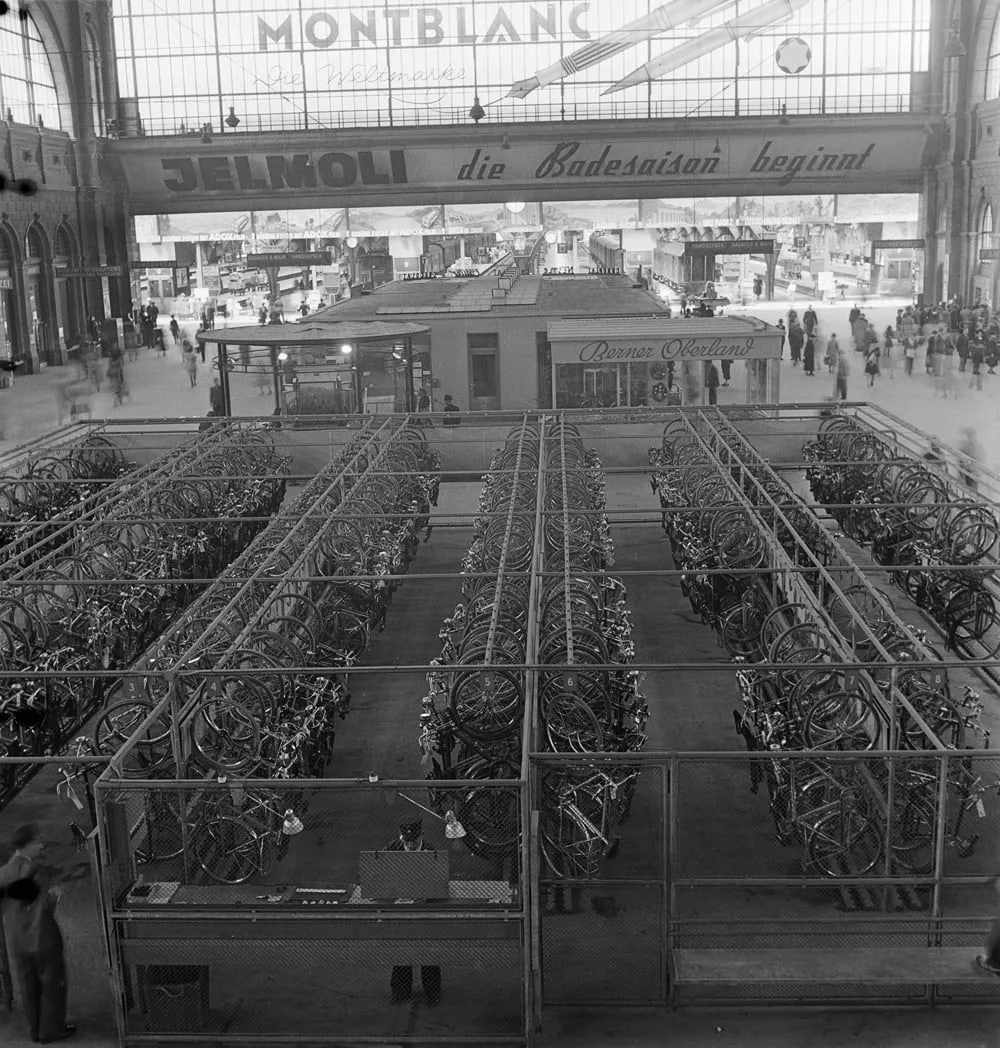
411,838
33,937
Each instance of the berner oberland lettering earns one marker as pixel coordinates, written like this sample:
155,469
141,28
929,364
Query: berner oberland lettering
599,351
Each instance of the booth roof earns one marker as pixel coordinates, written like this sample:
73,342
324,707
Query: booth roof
654,327
312,333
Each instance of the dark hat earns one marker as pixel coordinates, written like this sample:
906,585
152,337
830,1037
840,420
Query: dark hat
411,831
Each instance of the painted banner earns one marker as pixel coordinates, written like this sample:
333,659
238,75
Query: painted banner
887,155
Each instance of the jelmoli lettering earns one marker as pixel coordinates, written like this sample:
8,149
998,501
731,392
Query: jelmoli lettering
601,352
335,170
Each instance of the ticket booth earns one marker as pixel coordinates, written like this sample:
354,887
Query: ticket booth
656,362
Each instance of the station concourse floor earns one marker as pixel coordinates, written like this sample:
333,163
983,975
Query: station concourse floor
159,387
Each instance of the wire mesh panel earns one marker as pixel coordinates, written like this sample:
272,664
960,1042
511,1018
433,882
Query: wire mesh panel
603,931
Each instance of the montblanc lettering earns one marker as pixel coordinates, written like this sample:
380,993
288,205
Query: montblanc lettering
563,162
790,166
428,26
277,173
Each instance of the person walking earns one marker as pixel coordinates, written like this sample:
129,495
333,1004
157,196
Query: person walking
423,401
810,321
34,940
190,361
832,353
871,366
217,397
411,838
809,356
795,341
962,349
784,335
453,408
977,353
843,370
727,371
116,376
175,329
712,382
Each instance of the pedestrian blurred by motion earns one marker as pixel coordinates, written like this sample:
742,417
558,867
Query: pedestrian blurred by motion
977,353
832,353
909,355
116,376
34,939
245,356
969,467
217,397
190,361
712,382
843,370
871,366
727,371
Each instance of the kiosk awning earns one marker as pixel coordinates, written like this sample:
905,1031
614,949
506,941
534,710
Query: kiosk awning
627,340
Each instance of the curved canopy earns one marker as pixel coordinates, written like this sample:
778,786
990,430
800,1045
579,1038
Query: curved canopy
313,333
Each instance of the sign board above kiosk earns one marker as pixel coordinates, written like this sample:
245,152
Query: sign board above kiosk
615,340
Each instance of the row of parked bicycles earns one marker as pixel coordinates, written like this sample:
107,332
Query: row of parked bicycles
273,640
472,719
117,581
53,487
943,547
793,636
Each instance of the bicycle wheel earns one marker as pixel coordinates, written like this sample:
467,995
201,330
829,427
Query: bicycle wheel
487,703
842,720
229,850
845,842
225,736
121,720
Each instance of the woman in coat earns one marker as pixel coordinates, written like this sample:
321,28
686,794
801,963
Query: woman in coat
809,356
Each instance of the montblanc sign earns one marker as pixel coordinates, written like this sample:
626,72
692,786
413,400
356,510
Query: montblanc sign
419,26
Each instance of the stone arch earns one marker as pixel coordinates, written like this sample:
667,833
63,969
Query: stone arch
987,23
12,331
57,54
41,318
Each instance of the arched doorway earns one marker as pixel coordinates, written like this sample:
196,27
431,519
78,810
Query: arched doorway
68,289
38,294
11,347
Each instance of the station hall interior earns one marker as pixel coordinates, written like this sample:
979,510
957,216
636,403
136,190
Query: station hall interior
498,501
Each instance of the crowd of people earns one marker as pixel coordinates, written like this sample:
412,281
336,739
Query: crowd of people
943,341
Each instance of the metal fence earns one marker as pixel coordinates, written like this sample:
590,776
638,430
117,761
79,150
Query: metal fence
238,908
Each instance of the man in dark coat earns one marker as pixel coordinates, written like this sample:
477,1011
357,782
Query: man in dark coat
411,838
34,939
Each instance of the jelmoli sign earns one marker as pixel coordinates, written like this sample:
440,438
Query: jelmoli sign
839,161
652,350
